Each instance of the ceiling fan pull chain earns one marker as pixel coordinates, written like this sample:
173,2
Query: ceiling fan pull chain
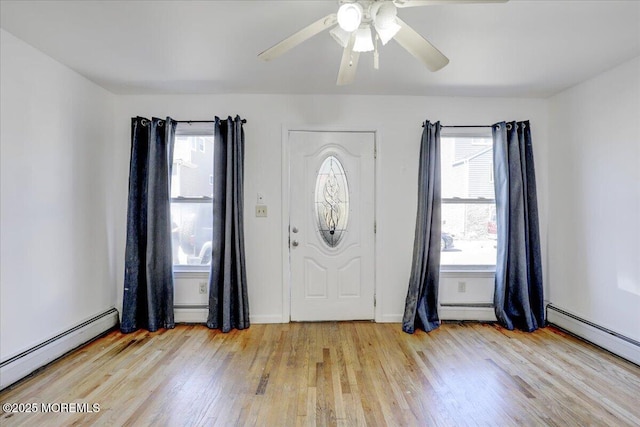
376,56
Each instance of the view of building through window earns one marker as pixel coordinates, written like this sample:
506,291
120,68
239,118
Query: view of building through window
191,198
468,202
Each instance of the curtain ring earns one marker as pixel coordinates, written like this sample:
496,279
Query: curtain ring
509,127
523,125
161,123
144,122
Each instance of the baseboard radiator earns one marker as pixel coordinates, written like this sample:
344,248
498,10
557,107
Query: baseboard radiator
614,342
481,312
24,363
186,313
196,313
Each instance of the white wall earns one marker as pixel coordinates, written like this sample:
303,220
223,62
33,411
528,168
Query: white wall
594,200
56,254
396,119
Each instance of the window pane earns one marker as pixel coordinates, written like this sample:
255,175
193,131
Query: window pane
191,225
332,201
192,166
467,167
468,234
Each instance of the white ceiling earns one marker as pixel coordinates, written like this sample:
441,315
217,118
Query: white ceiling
521,48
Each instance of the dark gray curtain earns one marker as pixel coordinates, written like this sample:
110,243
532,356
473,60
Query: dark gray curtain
228,300
148,276
518,297
421,307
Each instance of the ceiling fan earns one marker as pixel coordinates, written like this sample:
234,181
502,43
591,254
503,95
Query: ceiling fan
352,29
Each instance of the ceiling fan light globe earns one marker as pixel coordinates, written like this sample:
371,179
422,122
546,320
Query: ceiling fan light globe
341,36
350,16
364,42
384,14
388,33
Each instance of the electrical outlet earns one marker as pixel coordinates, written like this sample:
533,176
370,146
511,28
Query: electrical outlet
261,210
462,286
203,287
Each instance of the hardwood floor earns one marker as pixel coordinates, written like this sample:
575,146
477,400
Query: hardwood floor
351,373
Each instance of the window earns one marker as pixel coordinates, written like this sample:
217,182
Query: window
468,202
191,196
332,201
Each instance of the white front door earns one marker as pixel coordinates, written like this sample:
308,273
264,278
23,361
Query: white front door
331,225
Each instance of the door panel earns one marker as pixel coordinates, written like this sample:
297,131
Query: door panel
349,279
315,277
332,225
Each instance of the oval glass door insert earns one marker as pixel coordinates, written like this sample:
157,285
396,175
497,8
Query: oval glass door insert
332,201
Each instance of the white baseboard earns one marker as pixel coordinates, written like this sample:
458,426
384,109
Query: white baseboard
268,318
467,312
19,366
390,318
618,344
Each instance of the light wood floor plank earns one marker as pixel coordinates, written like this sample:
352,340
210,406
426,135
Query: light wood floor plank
335,374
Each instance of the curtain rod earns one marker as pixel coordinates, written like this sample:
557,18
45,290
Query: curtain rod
202,121
464,126
519,125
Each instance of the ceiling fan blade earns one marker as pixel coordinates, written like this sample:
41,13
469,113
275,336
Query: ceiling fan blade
297,38
349,64
416,45
414,3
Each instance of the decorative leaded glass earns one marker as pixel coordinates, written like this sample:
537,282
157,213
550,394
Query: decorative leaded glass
332,201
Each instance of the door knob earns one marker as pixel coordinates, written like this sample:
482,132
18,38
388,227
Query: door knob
294,243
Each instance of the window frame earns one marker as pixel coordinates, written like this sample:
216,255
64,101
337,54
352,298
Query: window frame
473,270
198,131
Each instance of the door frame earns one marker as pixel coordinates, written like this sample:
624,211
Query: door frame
286,178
